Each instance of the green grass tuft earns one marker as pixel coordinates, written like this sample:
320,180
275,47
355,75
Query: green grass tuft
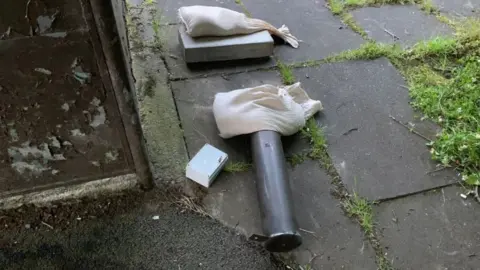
428,7
439,46
384,264
286,72
317,140
350,22
235,167
296,159
368,51
361,209
455,105
336,6
355,3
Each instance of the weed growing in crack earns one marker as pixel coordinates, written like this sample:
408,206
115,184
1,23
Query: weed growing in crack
428,7
156,18
350,22
436,47
286,72
339,6
296,159
384,264
235,167
368,51
336,6
360,208
317,140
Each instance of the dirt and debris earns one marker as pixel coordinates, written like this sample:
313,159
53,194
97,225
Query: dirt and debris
79,74
64,214
25,18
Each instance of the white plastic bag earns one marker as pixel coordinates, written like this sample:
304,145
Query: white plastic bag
265,107
203,21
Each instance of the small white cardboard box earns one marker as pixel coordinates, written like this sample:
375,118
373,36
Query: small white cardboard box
206,165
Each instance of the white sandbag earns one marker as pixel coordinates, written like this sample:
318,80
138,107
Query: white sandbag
265,107
201,21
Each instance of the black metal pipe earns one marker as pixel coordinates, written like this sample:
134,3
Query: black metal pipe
274,193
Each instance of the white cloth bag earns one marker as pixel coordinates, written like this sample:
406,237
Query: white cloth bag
265,107
203,21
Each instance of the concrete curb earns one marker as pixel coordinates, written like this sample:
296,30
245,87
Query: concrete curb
89,189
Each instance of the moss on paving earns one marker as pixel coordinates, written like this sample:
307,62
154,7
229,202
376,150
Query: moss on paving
149,86
159,120
296,159
235,167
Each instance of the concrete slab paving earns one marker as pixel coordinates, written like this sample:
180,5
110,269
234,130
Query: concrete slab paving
405,25
322,34
336,239
374,155
469,8
179,69
439,226
233,199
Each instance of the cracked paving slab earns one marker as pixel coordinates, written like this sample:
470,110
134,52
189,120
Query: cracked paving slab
439,225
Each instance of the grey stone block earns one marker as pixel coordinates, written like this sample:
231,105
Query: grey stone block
179,69
210,49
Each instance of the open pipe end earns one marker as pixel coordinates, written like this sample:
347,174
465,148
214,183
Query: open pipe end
283,242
